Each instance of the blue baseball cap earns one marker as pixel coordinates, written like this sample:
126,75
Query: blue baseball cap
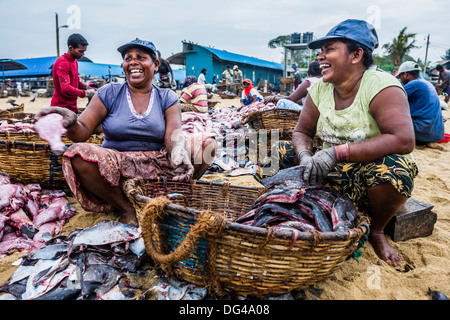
352,29
143,44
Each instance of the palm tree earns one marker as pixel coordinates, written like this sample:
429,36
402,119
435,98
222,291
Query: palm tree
447,55
300,56
279,41
400,46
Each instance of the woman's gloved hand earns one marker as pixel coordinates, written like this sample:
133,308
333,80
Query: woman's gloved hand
318,166
181,162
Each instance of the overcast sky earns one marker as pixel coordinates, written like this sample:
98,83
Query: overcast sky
244,27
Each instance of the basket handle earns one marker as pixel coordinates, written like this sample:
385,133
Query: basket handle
208,223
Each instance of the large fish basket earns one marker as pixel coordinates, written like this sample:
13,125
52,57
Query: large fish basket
27,158
17,116
193,236
265,141
277,118
8,111
227,96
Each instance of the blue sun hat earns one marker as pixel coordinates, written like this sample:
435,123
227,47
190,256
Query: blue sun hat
352,29
143,44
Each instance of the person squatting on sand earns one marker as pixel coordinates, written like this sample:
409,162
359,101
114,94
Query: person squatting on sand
141,124
362,117
424,105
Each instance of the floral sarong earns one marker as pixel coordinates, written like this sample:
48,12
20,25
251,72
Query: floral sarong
352,179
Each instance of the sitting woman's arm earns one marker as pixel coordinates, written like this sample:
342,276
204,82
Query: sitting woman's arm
87,122
175,144
390,109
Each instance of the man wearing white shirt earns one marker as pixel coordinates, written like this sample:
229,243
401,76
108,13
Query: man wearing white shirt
202,80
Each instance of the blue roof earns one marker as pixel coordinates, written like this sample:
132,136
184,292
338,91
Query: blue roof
234,57
36,67
42,67
98,69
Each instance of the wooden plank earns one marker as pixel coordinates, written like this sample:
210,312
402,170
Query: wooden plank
415,219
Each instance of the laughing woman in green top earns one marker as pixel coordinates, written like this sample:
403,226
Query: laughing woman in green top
362,117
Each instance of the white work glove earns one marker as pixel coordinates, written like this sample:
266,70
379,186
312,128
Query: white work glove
180,160
318,166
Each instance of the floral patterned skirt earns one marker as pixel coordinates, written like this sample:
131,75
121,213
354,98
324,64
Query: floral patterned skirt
116,166
352,179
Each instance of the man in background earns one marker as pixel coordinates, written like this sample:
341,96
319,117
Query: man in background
424,105
297,76
68,87
237,75
164,69
202,80
444,76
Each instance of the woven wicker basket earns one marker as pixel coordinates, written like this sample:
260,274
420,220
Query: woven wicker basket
265,140
287,80
277,118
12,109
194,238
27,158
211,103
227,96
20,116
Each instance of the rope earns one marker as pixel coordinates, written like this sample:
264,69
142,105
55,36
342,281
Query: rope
362,240
268,237
209,224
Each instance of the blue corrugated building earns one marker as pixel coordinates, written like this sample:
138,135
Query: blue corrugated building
196,57
42,67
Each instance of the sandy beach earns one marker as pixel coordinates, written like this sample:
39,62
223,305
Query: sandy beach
427,263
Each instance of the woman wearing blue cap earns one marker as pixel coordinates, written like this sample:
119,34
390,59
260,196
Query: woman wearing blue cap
141,124
362,117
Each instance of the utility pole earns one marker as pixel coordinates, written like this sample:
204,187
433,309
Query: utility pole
57,33
426,56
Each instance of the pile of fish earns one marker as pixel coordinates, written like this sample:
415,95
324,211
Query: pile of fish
16,126
225,126
104,262
29,215
292,203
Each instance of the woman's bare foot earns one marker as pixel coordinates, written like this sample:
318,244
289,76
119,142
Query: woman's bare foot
128,216
383,249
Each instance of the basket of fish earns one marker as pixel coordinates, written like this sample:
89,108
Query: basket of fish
14,108
227,95
276,118
248,241
27,157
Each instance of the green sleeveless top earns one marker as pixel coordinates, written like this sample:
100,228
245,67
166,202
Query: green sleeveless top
353,124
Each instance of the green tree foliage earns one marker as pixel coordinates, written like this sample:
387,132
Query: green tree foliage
279,41
385,63
400,46
300,56
447,55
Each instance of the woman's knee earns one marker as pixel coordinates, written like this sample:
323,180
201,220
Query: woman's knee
83,167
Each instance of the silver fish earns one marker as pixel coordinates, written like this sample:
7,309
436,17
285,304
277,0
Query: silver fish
106,232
